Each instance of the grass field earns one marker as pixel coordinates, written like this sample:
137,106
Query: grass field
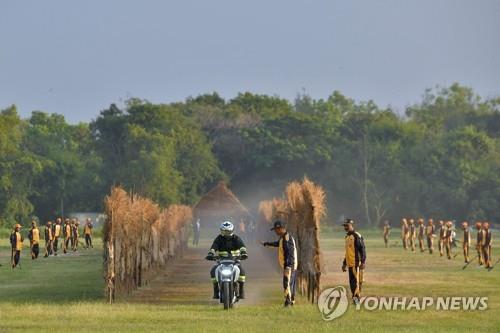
64,294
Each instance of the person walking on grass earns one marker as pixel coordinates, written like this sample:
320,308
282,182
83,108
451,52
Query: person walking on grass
405,233
34,237
288,260
487,241
412,235
49,238
56,232
466,241
479,242
430,234
442,236
16,243
421,234
87,230
354,259
386,233
67,235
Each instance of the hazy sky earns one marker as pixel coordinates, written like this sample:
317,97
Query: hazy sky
77,57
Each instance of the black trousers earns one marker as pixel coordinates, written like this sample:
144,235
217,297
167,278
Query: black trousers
88,240
35,250
355,281
55,244
16,257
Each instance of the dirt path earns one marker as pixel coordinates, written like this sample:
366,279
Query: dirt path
187,280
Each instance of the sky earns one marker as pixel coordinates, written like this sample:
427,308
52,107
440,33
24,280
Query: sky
77,57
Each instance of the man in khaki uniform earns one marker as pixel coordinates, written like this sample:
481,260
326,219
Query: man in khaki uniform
386,233
75,234
442,236
49,238
487,241
405,233
413,235
34,237
479,242
16,242
67,235
466,240
421,234
448,238
56,232
430,234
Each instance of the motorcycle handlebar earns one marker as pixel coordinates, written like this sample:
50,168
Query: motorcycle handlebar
214,258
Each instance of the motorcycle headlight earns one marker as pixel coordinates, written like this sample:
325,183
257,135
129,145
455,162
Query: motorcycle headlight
226,272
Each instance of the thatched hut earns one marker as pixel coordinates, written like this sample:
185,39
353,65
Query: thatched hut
220,204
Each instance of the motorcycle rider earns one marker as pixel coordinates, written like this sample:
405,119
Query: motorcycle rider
227,244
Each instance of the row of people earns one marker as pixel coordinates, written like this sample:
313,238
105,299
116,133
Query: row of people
446,238
69,232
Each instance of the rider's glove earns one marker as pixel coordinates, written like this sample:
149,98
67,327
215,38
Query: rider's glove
244,256
209,257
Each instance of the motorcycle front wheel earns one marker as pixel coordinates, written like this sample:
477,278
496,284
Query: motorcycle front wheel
226,295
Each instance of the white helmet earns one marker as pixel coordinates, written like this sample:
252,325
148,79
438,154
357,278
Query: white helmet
226,228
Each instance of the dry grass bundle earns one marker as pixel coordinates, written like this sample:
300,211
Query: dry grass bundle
303,210
139,238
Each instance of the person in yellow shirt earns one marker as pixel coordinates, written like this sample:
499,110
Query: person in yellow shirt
448,238
34,237
421,234
442,237
287,258
354,260
430,234
386,233
49,238
479,242
487,241
413,235
466,240
67,235
87,230
16,242
75,233
405,233
56,232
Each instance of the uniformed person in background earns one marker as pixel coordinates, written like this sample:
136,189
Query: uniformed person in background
75,234
354,260
56,232
413,235
16,243
430,234
49,238
405,233
421,234
487,241
67,235
479,242
386,233
448,238
87,230
442,236
466,240
287,258
34,237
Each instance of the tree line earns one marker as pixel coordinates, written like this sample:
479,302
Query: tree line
440,158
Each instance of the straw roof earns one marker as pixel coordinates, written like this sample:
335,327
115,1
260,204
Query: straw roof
219,203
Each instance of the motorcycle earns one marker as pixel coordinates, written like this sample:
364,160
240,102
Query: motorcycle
226,275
